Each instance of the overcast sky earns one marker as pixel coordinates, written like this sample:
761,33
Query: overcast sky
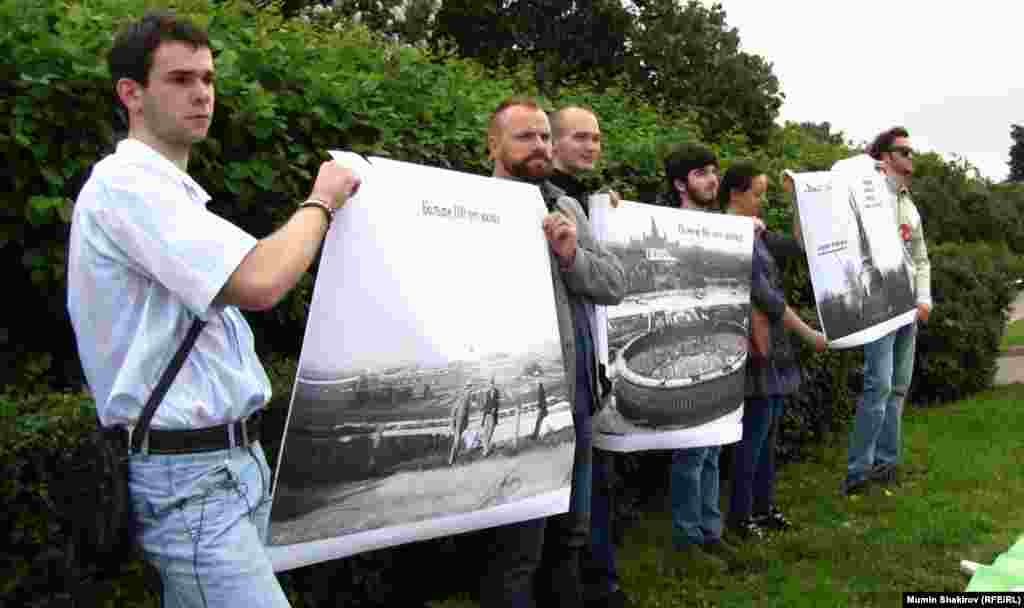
948,71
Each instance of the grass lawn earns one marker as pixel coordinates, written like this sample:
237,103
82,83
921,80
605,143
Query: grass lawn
1014,335
962,497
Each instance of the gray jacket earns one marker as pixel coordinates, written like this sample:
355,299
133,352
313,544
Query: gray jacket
596,276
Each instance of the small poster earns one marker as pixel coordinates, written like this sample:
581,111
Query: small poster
430,397
676,347
861,282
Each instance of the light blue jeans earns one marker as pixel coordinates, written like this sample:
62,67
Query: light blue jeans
696,516
203,522
888,368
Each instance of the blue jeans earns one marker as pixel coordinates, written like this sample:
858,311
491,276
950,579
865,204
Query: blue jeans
696,517
888,368
600,571
753,474
203,522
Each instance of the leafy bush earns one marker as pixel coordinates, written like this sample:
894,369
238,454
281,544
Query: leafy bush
958,348
957,206
38,562
287,91
38,434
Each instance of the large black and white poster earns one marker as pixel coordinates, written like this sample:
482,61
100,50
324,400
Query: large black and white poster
676,347
430,396
861,282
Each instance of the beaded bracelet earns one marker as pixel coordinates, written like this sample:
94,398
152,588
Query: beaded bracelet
320,204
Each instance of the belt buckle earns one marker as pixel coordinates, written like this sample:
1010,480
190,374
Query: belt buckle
245,431
231,435
144,448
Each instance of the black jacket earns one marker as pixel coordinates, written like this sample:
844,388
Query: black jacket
573,187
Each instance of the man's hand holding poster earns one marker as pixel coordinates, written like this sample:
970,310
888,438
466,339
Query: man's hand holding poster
861,283
676,347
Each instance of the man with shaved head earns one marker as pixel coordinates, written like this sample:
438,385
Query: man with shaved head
583,273
576,137
576,147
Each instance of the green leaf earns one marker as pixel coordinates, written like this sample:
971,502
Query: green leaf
53,177
42,210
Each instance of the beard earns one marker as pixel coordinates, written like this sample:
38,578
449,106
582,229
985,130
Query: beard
700,198
526,170
898,178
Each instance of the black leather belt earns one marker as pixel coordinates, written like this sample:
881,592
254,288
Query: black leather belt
240,434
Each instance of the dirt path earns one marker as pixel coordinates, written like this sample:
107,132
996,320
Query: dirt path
1011,365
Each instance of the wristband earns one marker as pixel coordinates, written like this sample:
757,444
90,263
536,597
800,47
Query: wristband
320,204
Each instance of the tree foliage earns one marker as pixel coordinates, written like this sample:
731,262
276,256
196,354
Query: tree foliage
678,58
409,21
287,90
822,132
957,206
564,42
688,55
1017,154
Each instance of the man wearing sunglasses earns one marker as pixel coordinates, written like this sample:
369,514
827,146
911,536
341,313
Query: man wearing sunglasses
889,361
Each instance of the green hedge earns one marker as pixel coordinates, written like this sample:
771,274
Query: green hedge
957,350
39,432
38,565
286,93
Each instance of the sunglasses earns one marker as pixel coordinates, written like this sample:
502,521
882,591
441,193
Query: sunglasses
904,151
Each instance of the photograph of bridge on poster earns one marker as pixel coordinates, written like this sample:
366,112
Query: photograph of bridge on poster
677,344
427,402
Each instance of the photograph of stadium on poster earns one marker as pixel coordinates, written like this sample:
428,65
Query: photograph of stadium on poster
676,347
860,279
430,396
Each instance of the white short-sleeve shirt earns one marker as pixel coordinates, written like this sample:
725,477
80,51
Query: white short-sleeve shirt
146,257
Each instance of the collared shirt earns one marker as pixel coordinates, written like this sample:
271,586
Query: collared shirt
915,251
145,258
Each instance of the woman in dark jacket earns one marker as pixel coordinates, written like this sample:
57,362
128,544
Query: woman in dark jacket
773,372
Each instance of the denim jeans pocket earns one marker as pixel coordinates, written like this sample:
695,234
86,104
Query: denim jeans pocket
171,498
208,499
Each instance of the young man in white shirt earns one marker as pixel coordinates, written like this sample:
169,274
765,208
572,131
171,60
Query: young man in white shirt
146,259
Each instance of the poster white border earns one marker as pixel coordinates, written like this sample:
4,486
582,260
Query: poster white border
297,555
721,431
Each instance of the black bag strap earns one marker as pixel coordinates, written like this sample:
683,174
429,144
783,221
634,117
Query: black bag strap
138,434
